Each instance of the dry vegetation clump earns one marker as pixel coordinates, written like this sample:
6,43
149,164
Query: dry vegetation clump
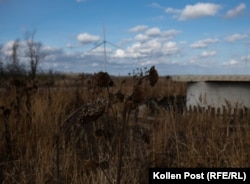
72,133
138,94
153,76
102,79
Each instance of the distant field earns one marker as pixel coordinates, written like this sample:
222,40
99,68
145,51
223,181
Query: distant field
116,135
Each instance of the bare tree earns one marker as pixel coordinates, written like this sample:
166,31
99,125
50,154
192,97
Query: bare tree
34,52
14,66
1,59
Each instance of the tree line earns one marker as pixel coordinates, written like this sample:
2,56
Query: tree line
10,64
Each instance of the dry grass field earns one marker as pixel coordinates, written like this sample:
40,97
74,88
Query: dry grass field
106,129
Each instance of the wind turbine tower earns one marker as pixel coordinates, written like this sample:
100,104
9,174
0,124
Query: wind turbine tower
104,43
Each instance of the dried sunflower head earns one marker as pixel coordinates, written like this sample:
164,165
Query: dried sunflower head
90,164
153,76
91,112
102,79
137,95
119,95
16,82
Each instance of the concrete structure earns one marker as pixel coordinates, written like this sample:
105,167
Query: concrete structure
217,91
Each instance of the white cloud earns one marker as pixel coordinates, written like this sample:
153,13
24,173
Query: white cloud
72,46
7,48
156,5
155,31
52,50
199,10
120,53
95,64
141,37
99,51
208,53
203,43
138,28
69,45
53,53
151,48
172,10
237,11
128,54
124,42
170,33
195,11
235,37
86,38
58,59
170,48
231,62
142,49
152,43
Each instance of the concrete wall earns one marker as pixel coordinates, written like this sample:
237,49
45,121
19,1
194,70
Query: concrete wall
215,94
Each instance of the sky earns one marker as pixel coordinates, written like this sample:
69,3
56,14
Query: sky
178,37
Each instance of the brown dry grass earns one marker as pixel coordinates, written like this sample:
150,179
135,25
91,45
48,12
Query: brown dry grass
118,146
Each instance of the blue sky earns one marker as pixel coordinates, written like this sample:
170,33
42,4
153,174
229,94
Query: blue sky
178,37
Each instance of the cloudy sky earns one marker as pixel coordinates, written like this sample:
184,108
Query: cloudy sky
178,37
